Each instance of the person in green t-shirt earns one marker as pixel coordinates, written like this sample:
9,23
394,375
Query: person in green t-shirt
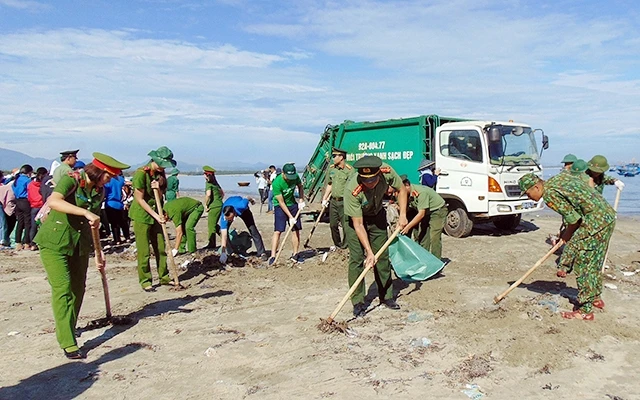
213,202
146,221
286,209
185,213
65,242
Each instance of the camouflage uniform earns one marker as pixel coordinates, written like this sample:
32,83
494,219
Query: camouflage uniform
585,252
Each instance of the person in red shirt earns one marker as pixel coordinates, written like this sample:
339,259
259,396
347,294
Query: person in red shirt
36,202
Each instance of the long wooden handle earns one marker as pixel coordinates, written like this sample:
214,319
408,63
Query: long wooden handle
95,234
172,263
286,235
615,208
314,226
362,275
515,284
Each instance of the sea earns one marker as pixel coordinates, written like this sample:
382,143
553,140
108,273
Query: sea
629,198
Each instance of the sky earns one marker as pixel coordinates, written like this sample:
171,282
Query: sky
257,81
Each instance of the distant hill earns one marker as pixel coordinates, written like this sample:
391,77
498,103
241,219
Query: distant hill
10,159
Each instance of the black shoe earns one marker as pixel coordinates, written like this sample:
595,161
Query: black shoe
272,260
359,310
391,304
297,258
264,257
74,355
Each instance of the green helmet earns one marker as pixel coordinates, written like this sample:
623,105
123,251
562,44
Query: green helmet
569,158
598,164
579,167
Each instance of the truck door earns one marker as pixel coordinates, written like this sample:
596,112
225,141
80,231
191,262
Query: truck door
461,159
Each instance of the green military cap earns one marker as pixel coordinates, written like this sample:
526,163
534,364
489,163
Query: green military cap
368,166
208,169
569,158
527,181
338,151
426,163
163,156
598,164
289,171
108,163
579,167
175,172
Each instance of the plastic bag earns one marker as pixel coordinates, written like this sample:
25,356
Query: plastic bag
411,262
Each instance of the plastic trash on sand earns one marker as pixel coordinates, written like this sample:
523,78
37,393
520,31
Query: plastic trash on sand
473,392
411,262
610,286
420,342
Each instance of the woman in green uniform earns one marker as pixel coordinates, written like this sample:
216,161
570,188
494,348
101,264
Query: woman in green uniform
65,242
146,220
213,202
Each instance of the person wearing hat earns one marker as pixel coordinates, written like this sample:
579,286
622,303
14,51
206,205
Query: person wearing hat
426,211
597,166
366,228
237,206
428,173
185,213
579,169
337,176
65,242
590,222
568,161
213,201
79,165
173,186
146,220
285,208
67,161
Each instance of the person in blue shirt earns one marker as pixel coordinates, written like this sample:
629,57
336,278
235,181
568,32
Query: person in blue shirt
114,208
238,206
428,173
23,208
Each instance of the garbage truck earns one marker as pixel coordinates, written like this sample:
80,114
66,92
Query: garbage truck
480,162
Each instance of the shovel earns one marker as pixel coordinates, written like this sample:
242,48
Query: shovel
172,262
109,319
306,243
515,284
329,321
286,235
615,208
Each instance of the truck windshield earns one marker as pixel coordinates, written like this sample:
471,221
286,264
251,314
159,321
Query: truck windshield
514,149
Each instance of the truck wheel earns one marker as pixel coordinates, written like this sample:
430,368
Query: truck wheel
507,222
458,223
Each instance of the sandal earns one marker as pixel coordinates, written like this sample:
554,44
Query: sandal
577,315
148,289
74,355
561,274
598,304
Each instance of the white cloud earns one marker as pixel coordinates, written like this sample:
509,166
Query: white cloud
24,5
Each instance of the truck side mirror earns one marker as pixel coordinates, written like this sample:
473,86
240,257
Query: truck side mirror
495,135
545,141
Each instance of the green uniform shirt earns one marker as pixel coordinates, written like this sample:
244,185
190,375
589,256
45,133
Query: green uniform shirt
424,198
286,189
64,232
178,210
216,195
173,186
368,202
62,170
337,177
142,180
575,200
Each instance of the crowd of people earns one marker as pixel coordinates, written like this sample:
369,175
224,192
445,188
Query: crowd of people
55,210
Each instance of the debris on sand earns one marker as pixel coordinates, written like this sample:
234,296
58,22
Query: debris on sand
593,356
473,391
475,366
335,327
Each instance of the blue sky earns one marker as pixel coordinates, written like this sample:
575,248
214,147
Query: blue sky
257,81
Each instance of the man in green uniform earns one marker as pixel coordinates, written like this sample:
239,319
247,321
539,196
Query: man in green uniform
366,230
578,170
213,202
65,242
173,186
185,213
597,167
426,210
337,177
590,222
146,220
67,161
285,209
568,161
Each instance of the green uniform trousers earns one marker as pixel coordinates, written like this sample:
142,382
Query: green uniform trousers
67,276
188,241
377,232
429,233
212,224
145,235
336,218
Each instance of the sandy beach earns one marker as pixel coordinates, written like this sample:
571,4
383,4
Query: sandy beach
251,333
